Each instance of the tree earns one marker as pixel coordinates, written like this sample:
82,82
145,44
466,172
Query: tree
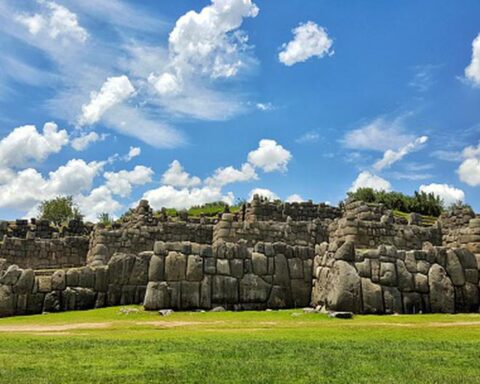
59,210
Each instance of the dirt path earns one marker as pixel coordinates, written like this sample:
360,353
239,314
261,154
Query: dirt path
65,328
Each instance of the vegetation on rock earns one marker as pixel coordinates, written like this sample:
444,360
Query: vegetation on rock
421,202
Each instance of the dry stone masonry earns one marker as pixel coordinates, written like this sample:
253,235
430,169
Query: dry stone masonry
359,258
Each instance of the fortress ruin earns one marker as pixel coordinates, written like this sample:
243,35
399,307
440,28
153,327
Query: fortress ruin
359,257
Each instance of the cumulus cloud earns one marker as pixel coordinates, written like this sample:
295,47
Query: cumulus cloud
176,176
472,72
310,40
98,201
270,156
263,192
171,197
377,135
449,194
366,179
83,141
228,175
390,156
204,40
469,169
121,183
114,91
25,144
295,198
26,188
55,21
203,47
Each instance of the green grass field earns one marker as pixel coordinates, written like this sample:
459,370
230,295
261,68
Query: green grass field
106,346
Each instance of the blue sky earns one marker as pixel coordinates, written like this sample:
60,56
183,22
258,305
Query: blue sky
187,102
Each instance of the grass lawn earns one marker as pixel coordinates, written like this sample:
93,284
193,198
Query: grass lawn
105,346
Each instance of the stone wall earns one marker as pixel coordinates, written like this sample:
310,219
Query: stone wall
139,239
261,209
180,275
35,253
123,281
305,233
370,225
387,280
192,276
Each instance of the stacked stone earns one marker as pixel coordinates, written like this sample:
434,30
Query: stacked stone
386,280
369,225
123,281
45,253
195,276
305,233
453,221
469,237
20,228
133,240
261,209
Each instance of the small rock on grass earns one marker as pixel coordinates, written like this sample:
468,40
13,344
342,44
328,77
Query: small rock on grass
218,309
165,312
341,315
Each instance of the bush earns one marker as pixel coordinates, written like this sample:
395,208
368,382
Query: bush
59,210
421,202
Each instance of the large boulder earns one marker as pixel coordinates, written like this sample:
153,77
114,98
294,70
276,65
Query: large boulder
7,301
224,290
372,297
344,292
442,293
175,266
455,269
156,269
194,268
157,296
25,282
253,289
346,252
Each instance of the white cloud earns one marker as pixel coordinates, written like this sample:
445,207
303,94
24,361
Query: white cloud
308,137
469,170
204,41
170,197
228,175
114,91
132,153
270,156
203,47
264,106
56,21
390,156
368,180
121,183
447,193
98,201
165,84
309,40
295,198
24,189
472,72
83,141
25,143
263,192
377,135
176,176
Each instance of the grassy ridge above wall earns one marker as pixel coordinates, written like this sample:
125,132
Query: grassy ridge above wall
105,346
